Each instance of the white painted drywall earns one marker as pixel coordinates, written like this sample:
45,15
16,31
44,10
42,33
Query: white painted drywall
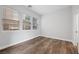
58,24
8,38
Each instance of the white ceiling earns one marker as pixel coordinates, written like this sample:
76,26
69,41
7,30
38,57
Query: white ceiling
46,9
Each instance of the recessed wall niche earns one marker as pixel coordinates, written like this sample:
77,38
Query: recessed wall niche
10,19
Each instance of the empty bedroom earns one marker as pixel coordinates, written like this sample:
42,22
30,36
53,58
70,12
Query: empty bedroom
39,29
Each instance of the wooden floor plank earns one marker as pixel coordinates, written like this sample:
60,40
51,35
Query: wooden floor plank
42,45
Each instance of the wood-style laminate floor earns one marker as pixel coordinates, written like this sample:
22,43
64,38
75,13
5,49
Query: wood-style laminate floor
42,45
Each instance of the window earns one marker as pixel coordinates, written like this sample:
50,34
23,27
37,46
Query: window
10,19
26,23
34,23
10,24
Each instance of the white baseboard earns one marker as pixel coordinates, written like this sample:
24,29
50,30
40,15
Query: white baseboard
58,38
75,43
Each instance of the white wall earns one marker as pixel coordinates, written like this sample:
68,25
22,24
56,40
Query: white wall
58,24
8,38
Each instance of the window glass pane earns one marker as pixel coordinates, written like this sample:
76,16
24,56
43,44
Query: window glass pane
26,23
35,23
11,19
